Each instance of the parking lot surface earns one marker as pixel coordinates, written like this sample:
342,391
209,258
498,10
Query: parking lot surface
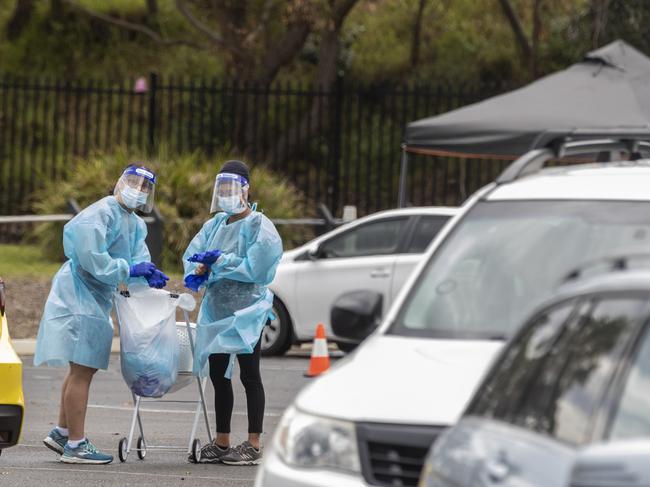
108,420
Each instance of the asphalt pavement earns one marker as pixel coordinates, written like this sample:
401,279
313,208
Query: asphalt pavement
108,420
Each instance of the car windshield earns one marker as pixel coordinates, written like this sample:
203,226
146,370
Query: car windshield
505,257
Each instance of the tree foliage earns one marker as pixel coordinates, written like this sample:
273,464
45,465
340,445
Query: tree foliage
370,41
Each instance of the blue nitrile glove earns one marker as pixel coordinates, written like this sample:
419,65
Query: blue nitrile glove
194,281
207,258
158,279
142,269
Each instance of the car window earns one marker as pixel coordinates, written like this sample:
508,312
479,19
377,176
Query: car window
374,238
562,372
632,419
566,393
504,258
427,228
519,362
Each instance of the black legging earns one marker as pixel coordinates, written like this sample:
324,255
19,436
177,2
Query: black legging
249,365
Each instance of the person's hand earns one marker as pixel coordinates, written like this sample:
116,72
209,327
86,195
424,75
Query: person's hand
194,281
142,269
208,258
157,279
201,269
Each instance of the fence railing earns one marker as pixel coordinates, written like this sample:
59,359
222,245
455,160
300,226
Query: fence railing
339,145
23,224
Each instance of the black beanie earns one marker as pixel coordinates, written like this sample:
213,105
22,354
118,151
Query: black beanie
236,167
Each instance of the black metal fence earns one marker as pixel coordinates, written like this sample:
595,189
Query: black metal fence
339,146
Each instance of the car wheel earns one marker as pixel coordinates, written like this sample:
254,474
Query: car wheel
276,336
347,347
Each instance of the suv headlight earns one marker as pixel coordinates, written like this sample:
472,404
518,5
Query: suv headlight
303,440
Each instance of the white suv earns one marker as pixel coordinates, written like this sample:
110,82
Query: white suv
371,419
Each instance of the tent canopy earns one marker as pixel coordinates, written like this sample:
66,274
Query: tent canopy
609,88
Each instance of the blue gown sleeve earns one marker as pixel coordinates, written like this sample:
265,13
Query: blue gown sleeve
198,244
140,249
261,260
87,240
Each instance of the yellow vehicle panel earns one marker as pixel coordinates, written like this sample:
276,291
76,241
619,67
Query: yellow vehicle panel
12,401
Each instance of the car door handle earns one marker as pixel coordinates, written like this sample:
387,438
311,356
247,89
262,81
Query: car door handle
379,273
498,469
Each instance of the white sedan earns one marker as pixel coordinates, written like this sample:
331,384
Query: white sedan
375,253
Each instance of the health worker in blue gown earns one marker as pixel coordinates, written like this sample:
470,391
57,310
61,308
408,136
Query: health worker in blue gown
105,246
234,257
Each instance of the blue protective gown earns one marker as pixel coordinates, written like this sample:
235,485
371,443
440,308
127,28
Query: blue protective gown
101,243
237,302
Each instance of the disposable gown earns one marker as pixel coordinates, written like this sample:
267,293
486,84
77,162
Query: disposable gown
237,302
101,243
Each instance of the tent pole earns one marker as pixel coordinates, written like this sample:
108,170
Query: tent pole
401,198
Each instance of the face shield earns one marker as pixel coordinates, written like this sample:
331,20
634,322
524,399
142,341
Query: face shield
135,189
230,194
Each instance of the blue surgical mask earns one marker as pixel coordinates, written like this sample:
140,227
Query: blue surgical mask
233,205
133,198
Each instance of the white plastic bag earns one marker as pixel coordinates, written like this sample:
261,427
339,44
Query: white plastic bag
149,346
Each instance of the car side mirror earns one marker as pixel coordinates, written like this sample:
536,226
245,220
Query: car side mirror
356,315
313,252
607,463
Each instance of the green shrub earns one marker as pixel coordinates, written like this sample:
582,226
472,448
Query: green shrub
183,196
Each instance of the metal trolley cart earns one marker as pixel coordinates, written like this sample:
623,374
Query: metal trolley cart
186,332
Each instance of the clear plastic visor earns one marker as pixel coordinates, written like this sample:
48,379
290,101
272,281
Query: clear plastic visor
230,187
135,192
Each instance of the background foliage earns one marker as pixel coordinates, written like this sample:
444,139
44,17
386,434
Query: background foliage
459,40
183,196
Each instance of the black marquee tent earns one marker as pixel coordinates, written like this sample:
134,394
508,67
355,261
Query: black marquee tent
609,88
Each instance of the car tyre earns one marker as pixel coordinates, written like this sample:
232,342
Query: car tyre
347,347
276,336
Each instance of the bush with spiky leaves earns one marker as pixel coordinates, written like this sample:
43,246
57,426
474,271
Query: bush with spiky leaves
183,196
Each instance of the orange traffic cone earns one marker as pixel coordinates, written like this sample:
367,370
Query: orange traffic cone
320,357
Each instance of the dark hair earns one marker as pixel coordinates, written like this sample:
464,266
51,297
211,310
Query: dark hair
236,167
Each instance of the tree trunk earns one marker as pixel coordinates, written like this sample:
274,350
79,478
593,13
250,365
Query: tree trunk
152,8
19,19
417,30
56,9
328,56
537,28
599,9
517,28
283,52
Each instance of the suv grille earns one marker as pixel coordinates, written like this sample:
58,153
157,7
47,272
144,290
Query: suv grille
396,464
393,455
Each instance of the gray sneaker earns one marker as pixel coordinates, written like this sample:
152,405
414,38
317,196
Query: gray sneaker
212,453
244,454
55,441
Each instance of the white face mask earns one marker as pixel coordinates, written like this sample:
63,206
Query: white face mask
233,205
133,198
